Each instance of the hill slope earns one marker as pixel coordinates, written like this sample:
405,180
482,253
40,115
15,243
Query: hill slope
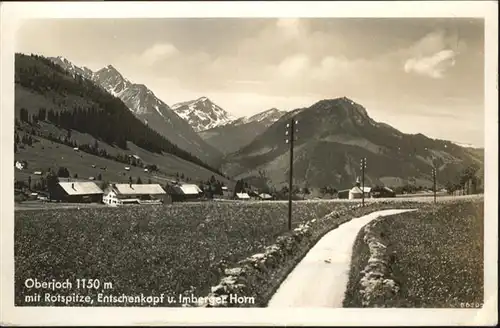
151,110
333,136
59,110
238,133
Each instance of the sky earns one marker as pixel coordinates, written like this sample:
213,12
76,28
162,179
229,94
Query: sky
421,75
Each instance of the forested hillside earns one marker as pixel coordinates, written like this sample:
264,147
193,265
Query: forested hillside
82,106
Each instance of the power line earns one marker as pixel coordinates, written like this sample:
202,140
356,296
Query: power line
291,138
363,167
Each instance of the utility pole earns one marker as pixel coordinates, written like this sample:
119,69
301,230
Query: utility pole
434,182
290,134
363,167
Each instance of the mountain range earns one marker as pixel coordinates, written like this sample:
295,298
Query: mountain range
182,123
59,110
234,135
146,106
333,135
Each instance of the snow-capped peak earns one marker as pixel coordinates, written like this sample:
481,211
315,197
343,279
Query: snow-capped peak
202,114
72,68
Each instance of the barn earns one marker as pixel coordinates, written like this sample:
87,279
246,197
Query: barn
77,192
382,192
184,192
343,194
122,194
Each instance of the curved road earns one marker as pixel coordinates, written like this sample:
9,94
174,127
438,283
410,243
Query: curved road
320,279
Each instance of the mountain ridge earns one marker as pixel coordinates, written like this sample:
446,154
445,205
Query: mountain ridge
238,133
202,113
333,135
145,105
58,109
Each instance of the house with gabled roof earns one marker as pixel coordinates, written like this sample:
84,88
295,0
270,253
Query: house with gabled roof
127,193
242,196
77,192
184,191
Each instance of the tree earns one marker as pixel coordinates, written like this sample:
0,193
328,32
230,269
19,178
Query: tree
29,182
217,189
104,185
467,177
99,177
63,172
52,181
75,176
23,115
139,181
149,181
42,114
238,187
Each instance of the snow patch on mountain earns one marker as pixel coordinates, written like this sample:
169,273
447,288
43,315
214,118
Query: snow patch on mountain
202,114
465,145
72,68
267,118
146,106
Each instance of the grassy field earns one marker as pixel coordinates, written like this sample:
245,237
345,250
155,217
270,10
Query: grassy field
160,249
434,255
46,154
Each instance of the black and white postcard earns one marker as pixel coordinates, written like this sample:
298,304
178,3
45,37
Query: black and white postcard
253,163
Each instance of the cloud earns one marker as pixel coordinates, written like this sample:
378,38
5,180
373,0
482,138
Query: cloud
291,28
294,66
432,66
158,51
434,54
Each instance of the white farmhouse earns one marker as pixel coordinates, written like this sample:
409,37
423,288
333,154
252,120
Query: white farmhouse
121,194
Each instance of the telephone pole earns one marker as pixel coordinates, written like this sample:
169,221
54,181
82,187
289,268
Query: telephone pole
290,134
434,182
363,167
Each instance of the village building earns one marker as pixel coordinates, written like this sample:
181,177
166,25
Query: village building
242,196
368,191
184,192
77,192
382,192
264,196
122,194
226,192
343,194
357,191
253,195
